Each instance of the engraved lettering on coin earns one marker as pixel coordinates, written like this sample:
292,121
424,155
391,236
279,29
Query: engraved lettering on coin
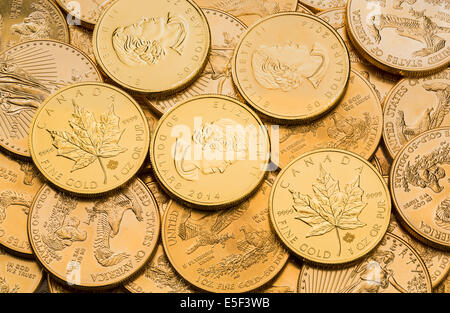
286,67
149,40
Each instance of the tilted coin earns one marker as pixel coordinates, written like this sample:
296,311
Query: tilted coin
249,11
55,287
30,20
216,78
18,275
30,72
394,267
355,125
380,80
157,47
410,38
291,76
330,206
159,277
89,138
286,281
82,39
87,12
420,187
232,250
206,142
415,106
321,5
94,243
437,262
20,181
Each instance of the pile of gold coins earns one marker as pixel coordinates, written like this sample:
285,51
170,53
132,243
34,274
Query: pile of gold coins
225,146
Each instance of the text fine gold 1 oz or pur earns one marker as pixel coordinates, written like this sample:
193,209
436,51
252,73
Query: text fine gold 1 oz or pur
30,73
89,138
410,38
206,143
152,47
330,206
232,250
97,242
420,187
291,76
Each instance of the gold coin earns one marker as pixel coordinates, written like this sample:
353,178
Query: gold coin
291,76
444,287
355,125
403,37
30,73
86,12
89,138
216,78
394,267
420,187
159,48
20,181
206,142
321,5
161,197
286,281
414,106
385,161
437,262
381,81
159,277
152,120
94,243
250,11
18,275
82,39
56,287
231,250
30,20
330,206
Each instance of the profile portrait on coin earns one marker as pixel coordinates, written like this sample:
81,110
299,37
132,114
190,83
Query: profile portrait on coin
222,143
35,26
149,40
286,67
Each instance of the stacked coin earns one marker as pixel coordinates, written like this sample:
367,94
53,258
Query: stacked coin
276,146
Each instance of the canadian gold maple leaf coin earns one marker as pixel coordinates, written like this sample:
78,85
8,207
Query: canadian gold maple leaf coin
94,243
18,275
330,206
228,251
409,38
415,106
153,47
20,181
89,138
420,187
210,152
291,76
393,267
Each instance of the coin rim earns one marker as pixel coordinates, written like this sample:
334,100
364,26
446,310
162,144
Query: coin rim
283,118
396,70
427,274
149,91
402,218
344,261
102,191
120,282
192,202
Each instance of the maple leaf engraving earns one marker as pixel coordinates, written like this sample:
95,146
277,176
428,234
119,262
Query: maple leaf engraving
89,140
330,208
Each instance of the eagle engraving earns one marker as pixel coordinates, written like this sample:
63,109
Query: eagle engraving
420,28
208,229
9,198
241,8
